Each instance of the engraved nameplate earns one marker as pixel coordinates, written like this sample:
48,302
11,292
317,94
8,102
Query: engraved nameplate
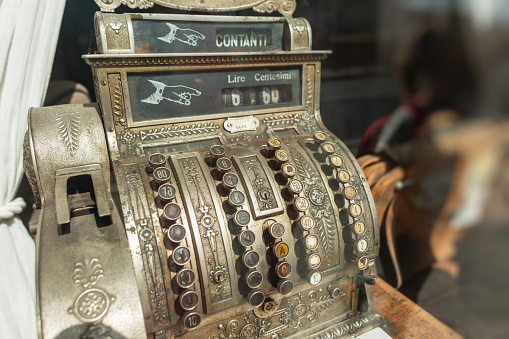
234,125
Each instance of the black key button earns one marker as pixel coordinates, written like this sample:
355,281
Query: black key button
176,233
166,192
283,269
217,151
188,300
250,259
191,319
255,298
230,180
171,211
246,238
241,218
254,279
156,160
185,278
181,255
236,198
223,165
161,175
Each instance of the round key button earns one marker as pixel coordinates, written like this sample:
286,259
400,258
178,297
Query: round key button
188,300
274,144
319,137
156,160
255,298
250,259
217,151
285,287
336,160
311,241
362,245
295,186
349,192
306,222
241,218
171,211
328,148
161,175
236,198
314,278
181,255
246,238
359,227
191,319
185,278
281,250
230,180
176,233
166,192
281,156
313,261
254,279
355,210
277,230
363,263
288,170
301,204
223,165
283,269
344,176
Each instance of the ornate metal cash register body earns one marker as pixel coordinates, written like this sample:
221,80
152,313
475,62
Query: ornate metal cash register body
230,210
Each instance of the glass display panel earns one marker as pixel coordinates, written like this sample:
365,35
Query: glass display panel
171,95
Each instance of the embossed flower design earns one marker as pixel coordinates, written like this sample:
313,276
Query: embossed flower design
127,136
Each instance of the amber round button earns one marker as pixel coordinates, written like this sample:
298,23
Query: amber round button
166,192
181,255
241,218
161,175
176,233
285,287
313,261
236,198
281,250
350,192
288,170
250,259
230,180
311,241
254,279
277,230
359,227
246,238
217,151
344,176
355,210
156,160
171,211
283,269
255,298
191,319
223,165
295,186
188,300
185,278
314,278
307,222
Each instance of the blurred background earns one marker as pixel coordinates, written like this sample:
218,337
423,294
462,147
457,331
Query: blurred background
417,89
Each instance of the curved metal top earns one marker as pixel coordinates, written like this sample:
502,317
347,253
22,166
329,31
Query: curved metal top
285,7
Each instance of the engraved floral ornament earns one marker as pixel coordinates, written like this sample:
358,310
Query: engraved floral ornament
68,127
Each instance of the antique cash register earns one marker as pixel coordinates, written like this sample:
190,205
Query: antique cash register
202,197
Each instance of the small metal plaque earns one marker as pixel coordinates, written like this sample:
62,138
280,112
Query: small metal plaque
234,125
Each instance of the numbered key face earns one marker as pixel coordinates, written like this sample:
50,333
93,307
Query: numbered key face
307,222
236,198
359,227
319,137
274,144
301,204
171,211
295,186
166,192
181,255
355,210
223,165
217,151
281,156
313,261
285,287
176,233
343,176
189,300
281,250
288,170
336,160
254,279
314,278
311,241
350,192
363,263
230,180
362,245
277,230
156,160
246,238
161,174
241,218
328,148
185,278
191,319
283,269
250,259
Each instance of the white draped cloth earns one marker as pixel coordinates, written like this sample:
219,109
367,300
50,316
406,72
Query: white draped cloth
28,38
